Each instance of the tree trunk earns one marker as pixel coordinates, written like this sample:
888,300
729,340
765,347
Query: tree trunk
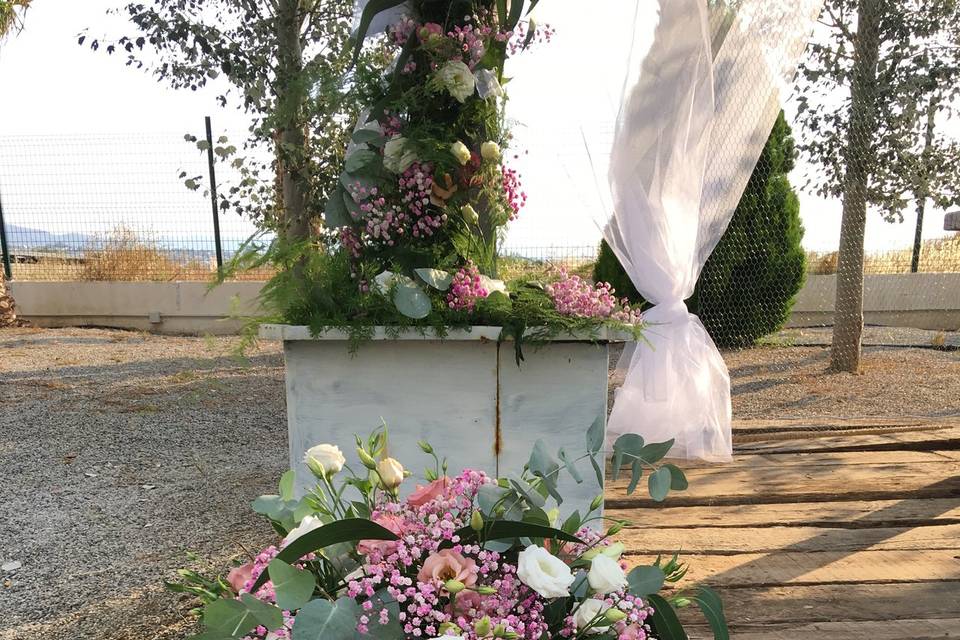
848,316
291,96
922,190
8,310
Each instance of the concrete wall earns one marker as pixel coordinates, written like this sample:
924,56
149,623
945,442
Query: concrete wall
918,300
923,301
162,307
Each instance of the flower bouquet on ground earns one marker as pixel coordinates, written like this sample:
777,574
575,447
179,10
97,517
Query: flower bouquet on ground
465,556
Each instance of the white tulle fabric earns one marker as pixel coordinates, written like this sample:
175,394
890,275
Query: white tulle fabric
694,117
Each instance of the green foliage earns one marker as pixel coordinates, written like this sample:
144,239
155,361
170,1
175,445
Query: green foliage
749,283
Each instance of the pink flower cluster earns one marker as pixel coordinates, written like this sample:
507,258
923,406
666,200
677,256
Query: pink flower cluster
516,196
466,288
574,296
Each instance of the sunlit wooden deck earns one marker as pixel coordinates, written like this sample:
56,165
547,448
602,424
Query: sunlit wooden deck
833,529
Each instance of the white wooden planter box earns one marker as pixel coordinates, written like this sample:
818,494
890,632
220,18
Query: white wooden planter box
464,394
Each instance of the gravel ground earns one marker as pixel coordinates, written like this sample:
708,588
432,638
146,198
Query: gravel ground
120,451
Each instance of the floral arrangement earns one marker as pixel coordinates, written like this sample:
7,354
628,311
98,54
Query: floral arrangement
409,235
459,557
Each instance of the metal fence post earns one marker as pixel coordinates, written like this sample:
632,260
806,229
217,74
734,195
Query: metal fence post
4,248
213,197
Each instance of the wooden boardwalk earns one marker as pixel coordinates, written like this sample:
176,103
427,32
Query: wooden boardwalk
829,530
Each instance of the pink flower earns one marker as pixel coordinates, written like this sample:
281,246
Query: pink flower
383,547
633,632
432,491
239,576
448,565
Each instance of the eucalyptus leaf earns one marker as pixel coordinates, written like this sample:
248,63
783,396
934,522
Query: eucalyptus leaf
659,484
678,480
359,159
368,136
265,613
294,587
569,465
411,301
655,451
598,470
636,474
324,620
595,434
228,616
440,280
644,580
286,485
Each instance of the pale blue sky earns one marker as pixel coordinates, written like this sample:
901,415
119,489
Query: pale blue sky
52,87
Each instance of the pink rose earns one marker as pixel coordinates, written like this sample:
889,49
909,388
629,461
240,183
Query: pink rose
432,491
633,632
383,547
239,576
448,565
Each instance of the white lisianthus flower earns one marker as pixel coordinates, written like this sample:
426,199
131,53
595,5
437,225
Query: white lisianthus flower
492,285
543,572
487,84
324,460
605,575
460,152
391,472
470,214
587,612
308,524
397,156
490,151
458,80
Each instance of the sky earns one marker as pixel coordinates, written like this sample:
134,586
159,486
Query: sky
85,140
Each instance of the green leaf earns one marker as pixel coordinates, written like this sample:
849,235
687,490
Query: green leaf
368,136
335,214
596,433
286,485
665,623
411,301
325,620
570,466
678,480
228,617
659,484
516,11
369,13
655,451
636,474
572,523
645,580
502,11
294,586
346,530
545,465
266,614
510,529
440,280
392,630
598,470
712,608
359,159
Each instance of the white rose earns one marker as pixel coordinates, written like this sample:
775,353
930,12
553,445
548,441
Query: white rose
324,459
470,214
457,78
397,158
490,151
487,84
543,572
308,524
605,575
391,472
460,152
588,610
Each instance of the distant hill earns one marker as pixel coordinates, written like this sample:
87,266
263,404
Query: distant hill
21,238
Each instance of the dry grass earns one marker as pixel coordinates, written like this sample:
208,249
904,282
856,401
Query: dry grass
511,268
936,256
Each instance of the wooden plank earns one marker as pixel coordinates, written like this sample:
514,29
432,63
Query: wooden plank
772,539
825,603
947,438
830,567
877,630
778,484
753,459
851,515
785,425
